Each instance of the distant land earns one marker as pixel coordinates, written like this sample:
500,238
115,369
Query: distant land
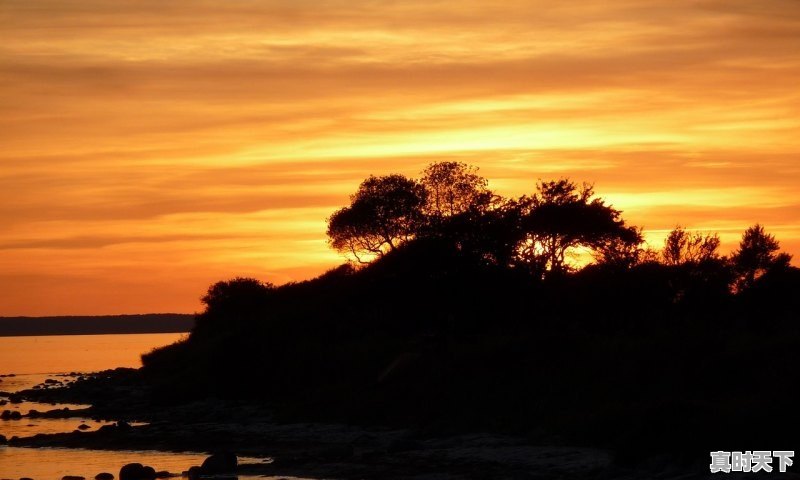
96,325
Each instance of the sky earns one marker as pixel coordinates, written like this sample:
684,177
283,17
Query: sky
149,148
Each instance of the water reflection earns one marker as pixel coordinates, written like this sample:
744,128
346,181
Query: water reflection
47,463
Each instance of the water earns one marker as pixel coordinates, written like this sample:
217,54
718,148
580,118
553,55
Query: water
75,353
34,359
54,463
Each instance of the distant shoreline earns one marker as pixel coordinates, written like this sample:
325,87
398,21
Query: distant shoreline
96,325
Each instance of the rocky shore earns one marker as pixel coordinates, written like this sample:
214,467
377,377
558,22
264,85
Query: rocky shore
309,450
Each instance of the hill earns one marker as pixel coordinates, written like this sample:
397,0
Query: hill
96,325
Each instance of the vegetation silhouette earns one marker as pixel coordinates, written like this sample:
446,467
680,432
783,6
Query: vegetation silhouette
475,314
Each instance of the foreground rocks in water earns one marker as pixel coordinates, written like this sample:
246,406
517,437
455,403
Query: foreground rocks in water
219,463
215,464
10,415
104,476
72,477
3,440
193,473
137,471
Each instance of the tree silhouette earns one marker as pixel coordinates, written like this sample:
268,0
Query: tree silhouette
560,217
454,188
682,247
625,251
234,302
757,254
384,212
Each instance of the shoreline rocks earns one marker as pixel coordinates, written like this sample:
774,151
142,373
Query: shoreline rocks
137,471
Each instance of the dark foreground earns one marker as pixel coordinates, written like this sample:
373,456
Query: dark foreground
320,450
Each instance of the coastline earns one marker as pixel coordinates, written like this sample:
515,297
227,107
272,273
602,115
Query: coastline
308,450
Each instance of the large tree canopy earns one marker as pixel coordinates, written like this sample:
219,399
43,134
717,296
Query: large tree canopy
562,216
454,188
384,212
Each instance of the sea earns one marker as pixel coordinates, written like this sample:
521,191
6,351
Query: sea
30,360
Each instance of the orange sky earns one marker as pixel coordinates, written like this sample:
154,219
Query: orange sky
151,147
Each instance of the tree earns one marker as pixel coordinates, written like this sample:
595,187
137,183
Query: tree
384,212
232,304
682,247
490,235
757,254
454,188
625,251
562,217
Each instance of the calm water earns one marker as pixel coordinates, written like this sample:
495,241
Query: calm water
54,463
33,360
76,353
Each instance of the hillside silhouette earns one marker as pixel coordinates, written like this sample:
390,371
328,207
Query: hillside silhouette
544,316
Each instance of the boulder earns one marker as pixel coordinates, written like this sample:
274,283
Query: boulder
3,440
10,415
104,476
219,463
83,426
193,473
72,477
137,471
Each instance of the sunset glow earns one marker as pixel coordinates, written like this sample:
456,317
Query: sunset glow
151,148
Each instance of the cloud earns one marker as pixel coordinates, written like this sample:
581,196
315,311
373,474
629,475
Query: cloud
218,136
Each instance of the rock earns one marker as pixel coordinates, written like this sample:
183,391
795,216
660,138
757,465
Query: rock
107,428
122,425
165,474
219,463
104,476
3,440
137,471
83,426
10,415
51,381
193,473
3,402
72,477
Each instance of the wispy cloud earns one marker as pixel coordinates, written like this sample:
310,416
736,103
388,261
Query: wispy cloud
174,143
